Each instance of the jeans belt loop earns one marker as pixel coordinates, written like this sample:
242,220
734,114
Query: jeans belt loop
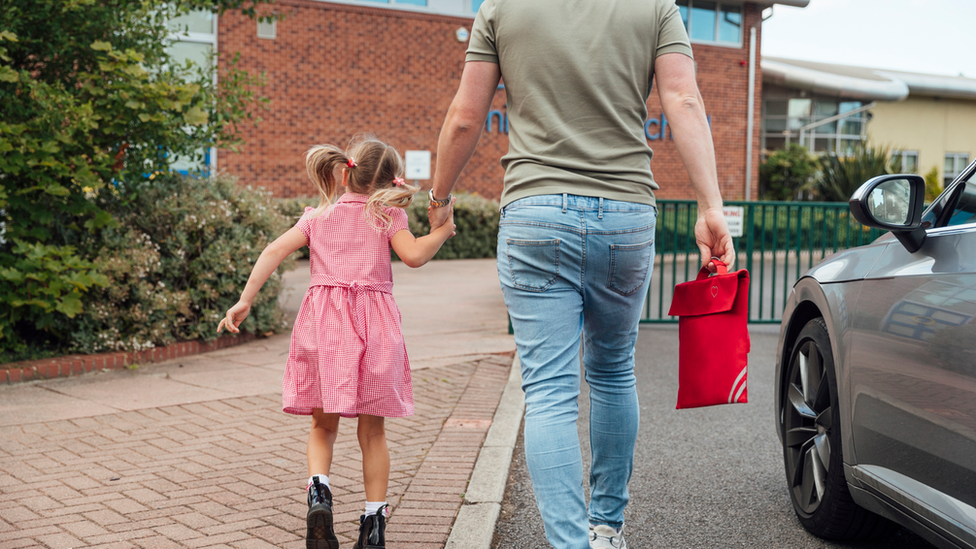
600,216
565,201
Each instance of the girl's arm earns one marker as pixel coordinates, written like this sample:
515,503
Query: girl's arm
415,252
271,257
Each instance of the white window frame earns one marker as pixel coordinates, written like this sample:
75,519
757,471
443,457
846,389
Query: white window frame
903,154
718,22
203,38
948,177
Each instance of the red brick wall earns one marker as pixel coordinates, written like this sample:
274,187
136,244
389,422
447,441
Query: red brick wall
335,70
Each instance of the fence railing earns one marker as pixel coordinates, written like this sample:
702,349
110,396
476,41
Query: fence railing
779,242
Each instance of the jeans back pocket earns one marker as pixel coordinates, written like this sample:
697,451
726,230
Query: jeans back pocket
534,264
629,265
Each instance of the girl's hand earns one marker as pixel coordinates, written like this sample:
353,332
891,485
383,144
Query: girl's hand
235,315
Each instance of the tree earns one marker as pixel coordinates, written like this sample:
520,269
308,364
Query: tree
787,173
91,105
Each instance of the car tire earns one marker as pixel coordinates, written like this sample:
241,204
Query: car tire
812,444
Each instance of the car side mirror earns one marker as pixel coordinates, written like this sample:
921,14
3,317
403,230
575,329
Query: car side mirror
893,203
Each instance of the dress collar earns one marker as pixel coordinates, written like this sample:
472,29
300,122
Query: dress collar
353,197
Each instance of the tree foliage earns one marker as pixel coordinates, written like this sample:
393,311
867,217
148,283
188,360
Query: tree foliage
841,175
90,105
787,173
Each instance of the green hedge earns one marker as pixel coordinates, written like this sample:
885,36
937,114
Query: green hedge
476,219
775,225
178,259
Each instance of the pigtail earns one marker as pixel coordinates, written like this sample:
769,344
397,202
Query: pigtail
321,163
397,196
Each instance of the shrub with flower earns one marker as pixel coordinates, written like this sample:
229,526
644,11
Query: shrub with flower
181,254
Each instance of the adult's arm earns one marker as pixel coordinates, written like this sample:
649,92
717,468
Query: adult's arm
685,110
462,129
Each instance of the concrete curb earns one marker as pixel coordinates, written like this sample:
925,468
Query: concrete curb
475,523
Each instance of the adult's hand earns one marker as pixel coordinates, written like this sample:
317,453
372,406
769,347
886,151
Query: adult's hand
713,239
438,216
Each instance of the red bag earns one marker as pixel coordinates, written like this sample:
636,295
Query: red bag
713,337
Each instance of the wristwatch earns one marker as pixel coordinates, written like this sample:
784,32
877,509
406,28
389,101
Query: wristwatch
434,203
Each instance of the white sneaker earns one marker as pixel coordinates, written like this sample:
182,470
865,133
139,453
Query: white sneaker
607,537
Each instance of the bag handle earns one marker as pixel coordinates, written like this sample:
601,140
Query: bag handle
720,269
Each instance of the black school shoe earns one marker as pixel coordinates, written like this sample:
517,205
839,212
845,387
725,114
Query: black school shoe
321,534
372,531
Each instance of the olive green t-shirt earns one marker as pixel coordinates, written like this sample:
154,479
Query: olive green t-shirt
577,75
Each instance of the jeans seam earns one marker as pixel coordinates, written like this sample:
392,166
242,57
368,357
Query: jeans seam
541,224
583,257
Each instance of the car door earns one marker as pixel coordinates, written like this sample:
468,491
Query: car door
913,365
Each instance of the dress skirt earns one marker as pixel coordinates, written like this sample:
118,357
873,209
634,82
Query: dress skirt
347,355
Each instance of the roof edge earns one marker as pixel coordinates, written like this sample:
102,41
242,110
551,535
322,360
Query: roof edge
794,3
888,89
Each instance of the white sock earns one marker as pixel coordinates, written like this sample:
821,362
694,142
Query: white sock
322,480
372,507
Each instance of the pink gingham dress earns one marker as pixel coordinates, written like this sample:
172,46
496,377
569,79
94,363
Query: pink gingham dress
347,351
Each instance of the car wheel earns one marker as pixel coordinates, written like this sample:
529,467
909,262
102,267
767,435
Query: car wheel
812,444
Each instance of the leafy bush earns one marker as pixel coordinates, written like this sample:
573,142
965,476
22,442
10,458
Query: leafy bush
842,175
90,103
476,219
787,173
933,184
178,259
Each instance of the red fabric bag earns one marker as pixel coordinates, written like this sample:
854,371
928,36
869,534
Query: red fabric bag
713,337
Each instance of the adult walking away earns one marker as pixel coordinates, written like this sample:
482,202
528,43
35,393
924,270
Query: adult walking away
576,237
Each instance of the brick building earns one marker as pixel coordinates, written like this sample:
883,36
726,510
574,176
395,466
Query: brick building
391,68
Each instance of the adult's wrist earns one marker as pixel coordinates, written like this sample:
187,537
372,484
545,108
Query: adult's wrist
438,202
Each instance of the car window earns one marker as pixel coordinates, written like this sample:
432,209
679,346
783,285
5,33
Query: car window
957,208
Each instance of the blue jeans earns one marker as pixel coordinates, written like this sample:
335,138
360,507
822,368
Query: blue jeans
575,270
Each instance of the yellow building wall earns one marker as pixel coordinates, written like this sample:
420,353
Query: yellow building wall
929,125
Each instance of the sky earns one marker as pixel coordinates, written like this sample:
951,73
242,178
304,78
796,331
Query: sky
926,36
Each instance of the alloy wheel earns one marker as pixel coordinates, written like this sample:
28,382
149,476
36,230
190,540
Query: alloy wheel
808,419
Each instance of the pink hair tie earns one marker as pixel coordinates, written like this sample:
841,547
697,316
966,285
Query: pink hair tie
398,181
351,162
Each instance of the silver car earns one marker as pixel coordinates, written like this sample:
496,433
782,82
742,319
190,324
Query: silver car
876,372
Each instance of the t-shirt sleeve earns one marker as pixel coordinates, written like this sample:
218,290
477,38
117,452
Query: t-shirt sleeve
398,222
481,46
671,35
305,223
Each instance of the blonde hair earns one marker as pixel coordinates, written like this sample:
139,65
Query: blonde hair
372,167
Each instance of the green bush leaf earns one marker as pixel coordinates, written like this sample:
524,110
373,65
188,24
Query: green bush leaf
195,116
8,75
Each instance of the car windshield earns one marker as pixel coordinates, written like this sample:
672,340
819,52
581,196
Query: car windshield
963,204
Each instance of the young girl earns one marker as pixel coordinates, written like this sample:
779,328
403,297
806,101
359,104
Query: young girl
347,355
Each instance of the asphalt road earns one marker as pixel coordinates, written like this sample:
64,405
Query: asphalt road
704,478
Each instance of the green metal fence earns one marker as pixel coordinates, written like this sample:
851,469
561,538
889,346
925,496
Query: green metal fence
779,242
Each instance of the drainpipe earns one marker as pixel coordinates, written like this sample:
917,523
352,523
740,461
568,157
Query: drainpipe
750,109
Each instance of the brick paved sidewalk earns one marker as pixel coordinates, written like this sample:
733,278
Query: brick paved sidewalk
231,472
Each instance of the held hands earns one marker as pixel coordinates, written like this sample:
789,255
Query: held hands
442,216
235,315
713,238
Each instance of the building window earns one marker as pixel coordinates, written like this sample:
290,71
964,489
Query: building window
712,22
783,118
955,163
194,38
905,161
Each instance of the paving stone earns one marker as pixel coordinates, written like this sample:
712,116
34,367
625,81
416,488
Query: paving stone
230,473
